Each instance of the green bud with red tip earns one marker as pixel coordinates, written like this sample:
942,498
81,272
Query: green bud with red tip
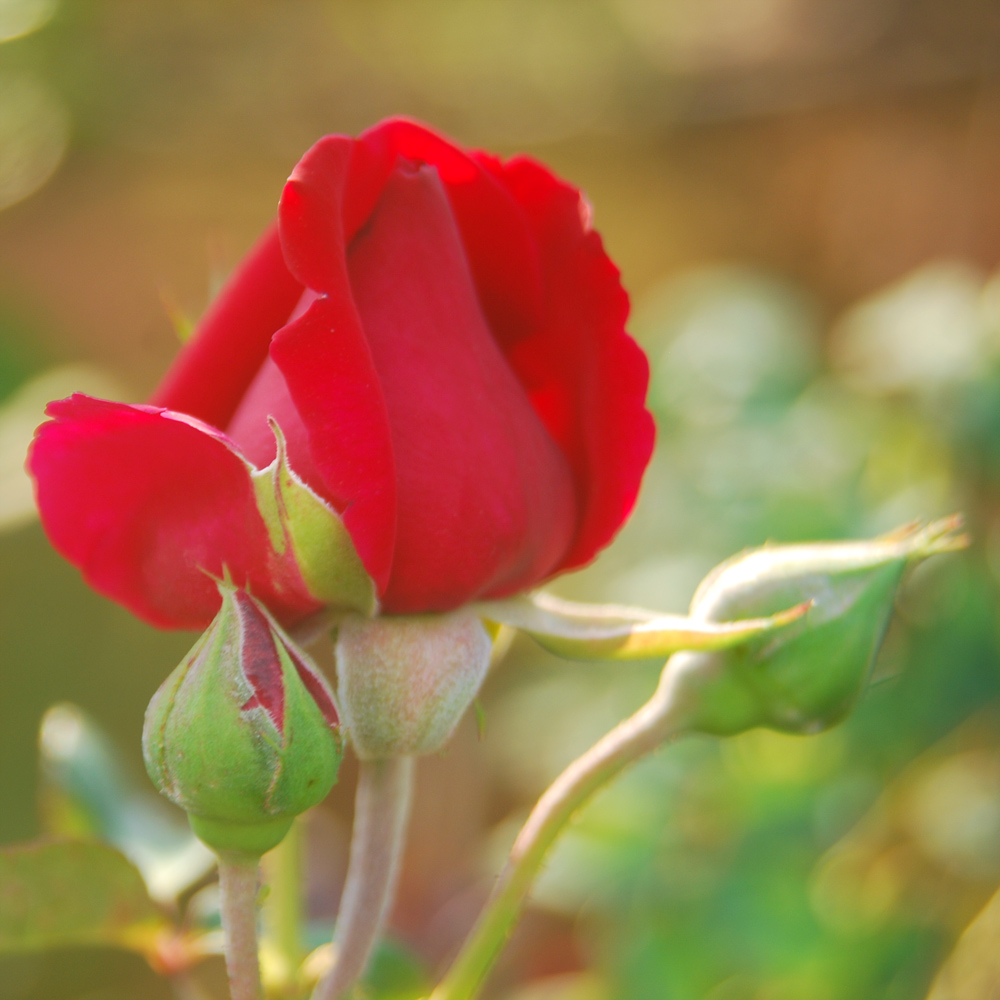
807,676
244,734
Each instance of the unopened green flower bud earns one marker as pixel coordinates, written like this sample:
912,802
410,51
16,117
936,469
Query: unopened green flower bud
405,682
243,735
807,676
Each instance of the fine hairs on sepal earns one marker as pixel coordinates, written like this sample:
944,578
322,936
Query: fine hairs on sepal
404,682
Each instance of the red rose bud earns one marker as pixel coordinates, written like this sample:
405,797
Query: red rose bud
440,336
243,735
405,682
806,676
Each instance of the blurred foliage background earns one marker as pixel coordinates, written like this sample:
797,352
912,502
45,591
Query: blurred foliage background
803,197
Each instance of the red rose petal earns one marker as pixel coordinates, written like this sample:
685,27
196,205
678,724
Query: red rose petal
586,376
230,344
485,498
498,240
259,661
331,377
485,503
268,396
147,503
523,231
327,365
316,686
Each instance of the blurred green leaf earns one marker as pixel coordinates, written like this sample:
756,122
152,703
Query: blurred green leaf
61,893
734,340
87,791
395,973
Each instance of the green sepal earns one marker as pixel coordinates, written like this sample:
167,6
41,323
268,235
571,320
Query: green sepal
299,520
612,632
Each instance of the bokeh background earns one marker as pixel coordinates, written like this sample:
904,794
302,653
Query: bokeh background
804,199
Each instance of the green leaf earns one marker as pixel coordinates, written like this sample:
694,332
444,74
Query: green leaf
88,791
613,632
59,893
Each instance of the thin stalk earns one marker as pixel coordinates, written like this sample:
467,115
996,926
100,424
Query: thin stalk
283,906
642,732
238,903
381,813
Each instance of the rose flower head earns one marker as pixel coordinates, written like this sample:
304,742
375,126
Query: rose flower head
244,734
415,392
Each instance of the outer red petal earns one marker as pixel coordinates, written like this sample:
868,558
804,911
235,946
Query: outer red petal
211,374
327,364
586,376
485,498
555,304
331,378
147,503
498,239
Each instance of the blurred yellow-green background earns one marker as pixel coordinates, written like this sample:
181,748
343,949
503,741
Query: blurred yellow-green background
804,199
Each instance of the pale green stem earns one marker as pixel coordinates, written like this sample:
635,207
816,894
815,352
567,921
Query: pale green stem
238,884
647,729
381,813
283,905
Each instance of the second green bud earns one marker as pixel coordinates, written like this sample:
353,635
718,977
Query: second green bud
807,676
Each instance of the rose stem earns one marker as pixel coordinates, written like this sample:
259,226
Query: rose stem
238,905
282,908
381,812
631,739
